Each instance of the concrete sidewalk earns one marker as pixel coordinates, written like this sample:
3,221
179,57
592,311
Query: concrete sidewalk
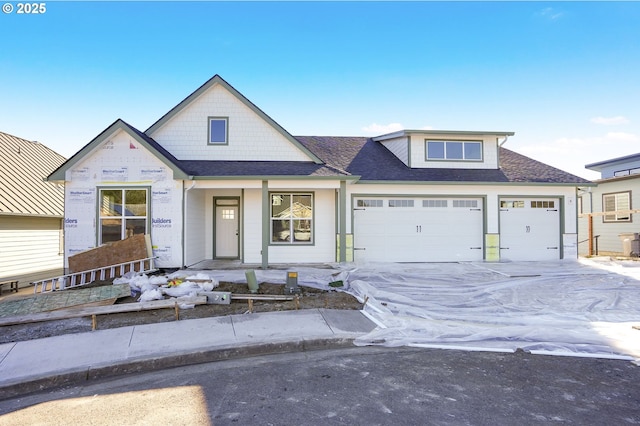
36,365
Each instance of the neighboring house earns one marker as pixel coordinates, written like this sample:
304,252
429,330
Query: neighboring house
608,210
31,211
217,178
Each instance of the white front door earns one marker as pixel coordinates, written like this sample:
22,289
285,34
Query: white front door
226,231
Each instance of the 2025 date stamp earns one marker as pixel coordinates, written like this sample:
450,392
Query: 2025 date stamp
25,8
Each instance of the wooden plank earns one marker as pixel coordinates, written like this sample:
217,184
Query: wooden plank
619,212
100,310
260,297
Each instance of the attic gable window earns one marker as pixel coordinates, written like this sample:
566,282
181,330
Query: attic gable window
218,131
454,150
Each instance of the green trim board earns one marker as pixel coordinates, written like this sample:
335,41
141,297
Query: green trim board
342,235
266,219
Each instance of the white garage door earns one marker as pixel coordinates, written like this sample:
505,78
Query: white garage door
529,229
418,229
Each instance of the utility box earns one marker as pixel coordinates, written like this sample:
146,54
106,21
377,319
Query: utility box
217,297
635,245
291,286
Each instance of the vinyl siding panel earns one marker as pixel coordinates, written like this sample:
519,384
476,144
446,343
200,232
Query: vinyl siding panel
609,241
30,248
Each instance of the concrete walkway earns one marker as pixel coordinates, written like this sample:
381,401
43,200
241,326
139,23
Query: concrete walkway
36,365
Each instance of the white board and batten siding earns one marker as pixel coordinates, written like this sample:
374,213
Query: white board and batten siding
30,248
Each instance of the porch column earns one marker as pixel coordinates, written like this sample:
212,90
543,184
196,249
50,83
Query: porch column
342,214
266,215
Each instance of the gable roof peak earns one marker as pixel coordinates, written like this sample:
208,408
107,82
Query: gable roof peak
217,80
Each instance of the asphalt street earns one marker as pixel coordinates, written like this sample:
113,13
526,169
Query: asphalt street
359,386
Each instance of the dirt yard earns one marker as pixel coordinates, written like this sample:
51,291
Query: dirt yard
309,298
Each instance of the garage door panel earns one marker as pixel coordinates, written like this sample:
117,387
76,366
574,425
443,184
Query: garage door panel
429,232
531,231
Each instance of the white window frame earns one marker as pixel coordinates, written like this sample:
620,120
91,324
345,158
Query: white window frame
123,216
447,155
621,201
225,140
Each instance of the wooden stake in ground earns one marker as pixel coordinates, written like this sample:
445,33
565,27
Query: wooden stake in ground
94,322
177,308
250,301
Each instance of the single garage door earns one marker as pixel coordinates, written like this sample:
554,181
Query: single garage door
418,229
529,229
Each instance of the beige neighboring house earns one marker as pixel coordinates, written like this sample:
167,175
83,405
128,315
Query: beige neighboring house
31,211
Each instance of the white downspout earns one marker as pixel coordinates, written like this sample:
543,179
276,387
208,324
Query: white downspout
506,137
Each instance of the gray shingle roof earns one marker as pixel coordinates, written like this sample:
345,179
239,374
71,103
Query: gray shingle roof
256,168
23,167
372,161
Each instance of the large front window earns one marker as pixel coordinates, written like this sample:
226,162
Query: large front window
617,206
123,213
291,218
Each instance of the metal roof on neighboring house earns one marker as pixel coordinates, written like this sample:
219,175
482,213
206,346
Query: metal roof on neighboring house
24,165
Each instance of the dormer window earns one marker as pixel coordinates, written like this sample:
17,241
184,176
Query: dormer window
454,150
218,132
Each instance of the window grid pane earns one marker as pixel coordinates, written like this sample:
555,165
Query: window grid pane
400,203
291,218
434,203
370,203
118,222
454,150
615,203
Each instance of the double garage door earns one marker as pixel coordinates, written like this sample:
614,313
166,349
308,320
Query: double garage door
416,229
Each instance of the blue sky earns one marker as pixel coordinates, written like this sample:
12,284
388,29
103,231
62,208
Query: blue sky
564,76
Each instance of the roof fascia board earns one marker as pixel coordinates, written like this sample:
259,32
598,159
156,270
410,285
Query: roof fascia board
59,175
440,132
598,165
216,79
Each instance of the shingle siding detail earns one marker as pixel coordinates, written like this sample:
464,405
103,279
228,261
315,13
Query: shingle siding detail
250,137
